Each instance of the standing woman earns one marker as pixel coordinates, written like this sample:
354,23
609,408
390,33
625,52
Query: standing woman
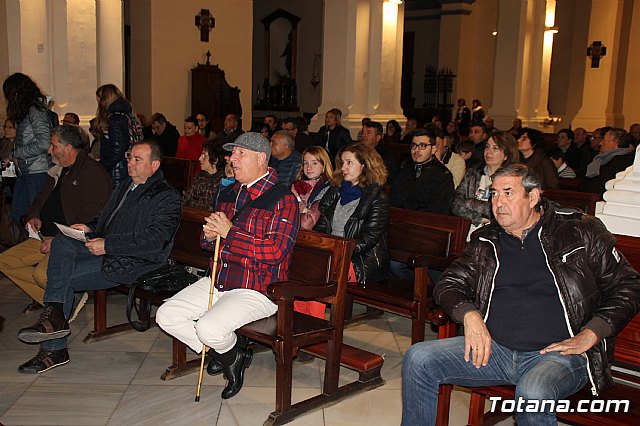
26,107
357,207
119,130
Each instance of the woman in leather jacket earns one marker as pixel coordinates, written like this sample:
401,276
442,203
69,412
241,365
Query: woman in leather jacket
119,131
357,207
26,107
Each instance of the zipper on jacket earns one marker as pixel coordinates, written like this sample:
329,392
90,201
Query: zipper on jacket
564,256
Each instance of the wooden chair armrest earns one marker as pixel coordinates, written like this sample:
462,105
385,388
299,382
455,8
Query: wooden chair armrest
296,290
425,260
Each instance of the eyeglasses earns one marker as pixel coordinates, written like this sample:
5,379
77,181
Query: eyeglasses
67,122
420,146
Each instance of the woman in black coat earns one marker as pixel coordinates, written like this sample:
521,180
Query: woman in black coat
119,131
358,208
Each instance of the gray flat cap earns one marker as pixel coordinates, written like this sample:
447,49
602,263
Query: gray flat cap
252,141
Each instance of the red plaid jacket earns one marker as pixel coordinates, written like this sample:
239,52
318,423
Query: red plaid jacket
258,248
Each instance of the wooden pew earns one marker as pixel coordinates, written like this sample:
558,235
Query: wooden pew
627,356
421,240
584,201
318,270
179,172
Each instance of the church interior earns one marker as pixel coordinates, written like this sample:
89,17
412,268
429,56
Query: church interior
553,64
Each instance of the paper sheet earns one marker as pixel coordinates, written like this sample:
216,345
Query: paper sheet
73,233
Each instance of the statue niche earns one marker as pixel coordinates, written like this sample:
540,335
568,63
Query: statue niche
279,89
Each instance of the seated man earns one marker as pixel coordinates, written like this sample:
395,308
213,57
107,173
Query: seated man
132,235
284,158
77,189
258,227
372,136
165,134
541,294
616,154
424,184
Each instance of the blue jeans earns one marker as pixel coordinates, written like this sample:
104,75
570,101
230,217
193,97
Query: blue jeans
400,270
71,269
426,365
25,191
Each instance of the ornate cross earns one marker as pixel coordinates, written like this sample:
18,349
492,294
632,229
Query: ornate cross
595,52
206,22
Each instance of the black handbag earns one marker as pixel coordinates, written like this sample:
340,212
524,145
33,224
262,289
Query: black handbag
165,281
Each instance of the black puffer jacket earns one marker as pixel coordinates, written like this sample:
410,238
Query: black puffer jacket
140,236
116,140
367,225
598,288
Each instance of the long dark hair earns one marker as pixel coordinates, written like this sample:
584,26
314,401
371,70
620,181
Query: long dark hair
21,93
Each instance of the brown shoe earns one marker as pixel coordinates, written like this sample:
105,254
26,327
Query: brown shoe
50,325
45,360
32,307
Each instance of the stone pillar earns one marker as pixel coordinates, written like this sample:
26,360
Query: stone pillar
599,108
620,210
523,63
362,61
110,45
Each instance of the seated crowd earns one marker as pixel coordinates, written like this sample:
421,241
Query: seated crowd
261,188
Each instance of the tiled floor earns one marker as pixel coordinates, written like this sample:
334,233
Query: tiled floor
117,381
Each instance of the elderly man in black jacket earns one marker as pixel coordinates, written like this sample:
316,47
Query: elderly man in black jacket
132,235
541,292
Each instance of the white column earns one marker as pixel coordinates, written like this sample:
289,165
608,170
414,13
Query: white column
110,43
362,61
600,83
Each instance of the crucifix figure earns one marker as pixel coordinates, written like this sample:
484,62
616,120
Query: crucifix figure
595,52
206,22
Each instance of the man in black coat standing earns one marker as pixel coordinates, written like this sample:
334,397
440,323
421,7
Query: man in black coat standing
132,235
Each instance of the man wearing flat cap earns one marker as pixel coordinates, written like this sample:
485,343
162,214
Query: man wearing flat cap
258,221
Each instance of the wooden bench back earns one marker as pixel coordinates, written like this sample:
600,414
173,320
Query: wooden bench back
186,243
627,349
584,201
415,232
179,172
316,258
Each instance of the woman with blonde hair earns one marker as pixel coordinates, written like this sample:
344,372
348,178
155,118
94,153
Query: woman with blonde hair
119,130
312,182
357,207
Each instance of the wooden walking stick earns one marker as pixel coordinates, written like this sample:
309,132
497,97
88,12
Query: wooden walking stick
204,347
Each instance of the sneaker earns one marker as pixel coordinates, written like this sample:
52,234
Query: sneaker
50,325
45,360
79,306
32,307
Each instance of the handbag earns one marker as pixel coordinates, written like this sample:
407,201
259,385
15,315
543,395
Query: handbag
167,280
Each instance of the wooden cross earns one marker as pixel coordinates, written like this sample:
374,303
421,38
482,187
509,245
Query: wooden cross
206,22
595,52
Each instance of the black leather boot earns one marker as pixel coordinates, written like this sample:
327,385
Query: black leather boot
233,364
214,367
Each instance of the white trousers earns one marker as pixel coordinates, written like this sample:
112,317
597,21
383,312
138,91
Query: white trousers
185,315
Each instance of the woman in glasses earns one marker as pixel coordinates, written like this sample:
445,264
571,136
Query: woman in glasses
471,199
357,207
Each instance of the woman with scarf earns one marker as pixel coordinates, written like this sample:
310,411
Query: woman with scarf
312,182
357,207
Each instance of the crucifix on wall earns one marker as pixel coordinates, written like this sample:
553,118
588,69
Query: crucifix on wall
595,52
206,22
